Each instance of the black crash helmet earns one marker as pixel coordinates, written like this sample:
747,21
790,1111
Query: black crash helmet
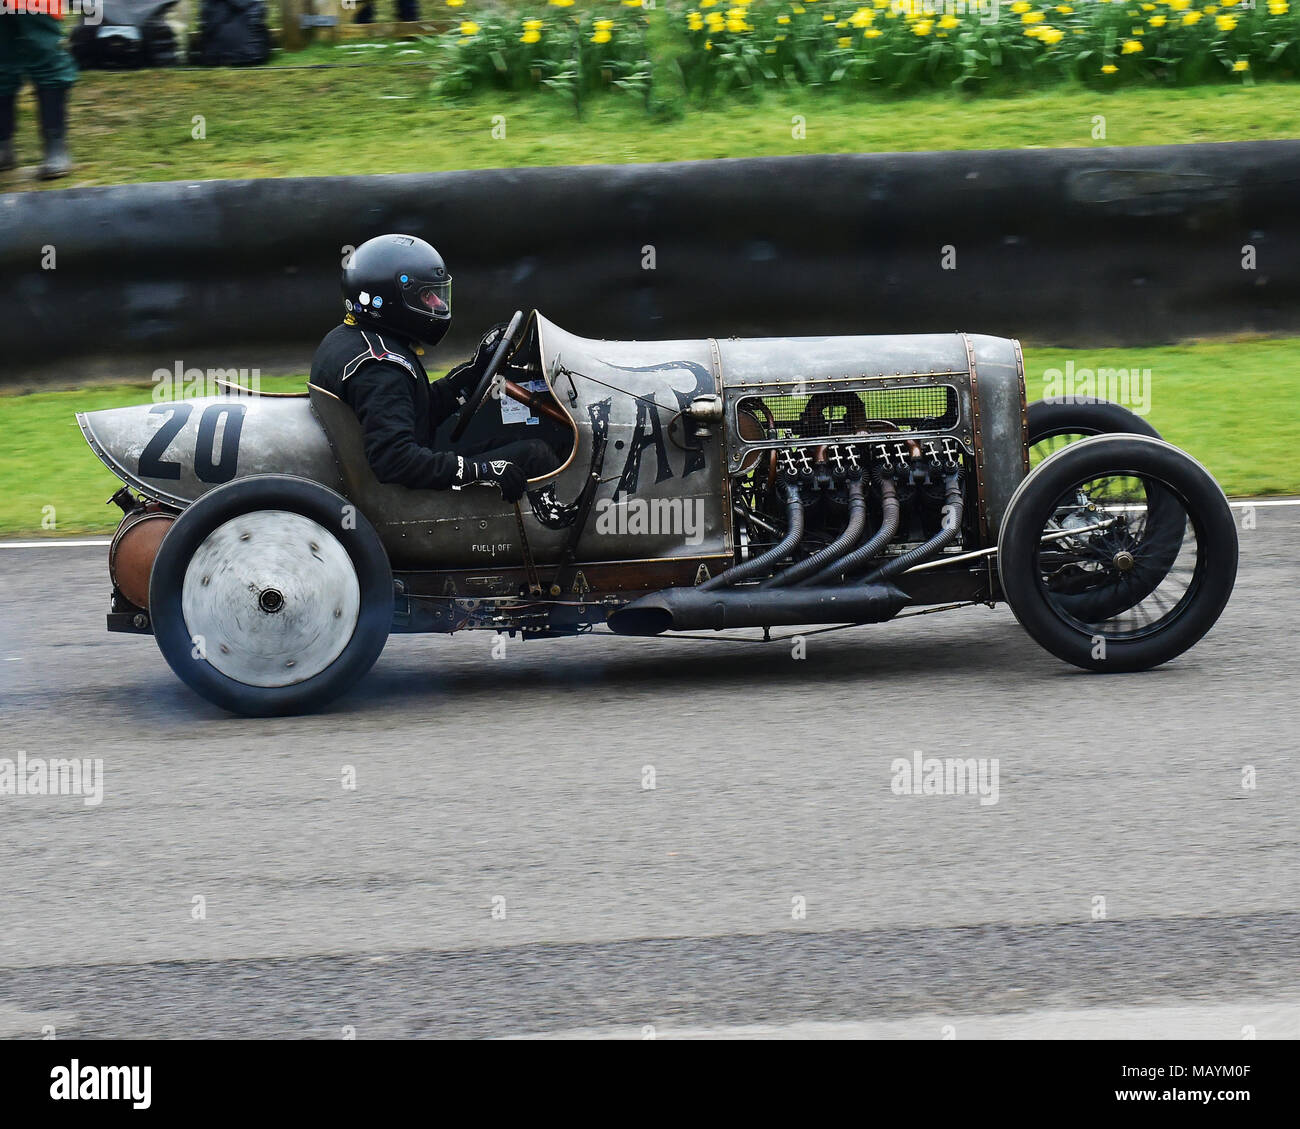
399,283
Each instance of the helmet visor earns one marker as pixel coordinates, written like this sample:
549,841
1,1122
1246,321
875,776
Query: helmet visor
430,298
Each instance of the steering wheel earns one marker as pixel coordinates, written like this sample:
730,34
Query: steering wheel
479,395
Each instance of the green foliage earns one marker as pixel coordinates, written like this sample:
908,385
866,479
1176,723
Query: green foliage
905,46
575,53
896,47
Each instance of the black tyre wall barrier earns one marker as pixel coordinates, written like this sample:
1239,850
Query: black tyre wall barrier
1080,246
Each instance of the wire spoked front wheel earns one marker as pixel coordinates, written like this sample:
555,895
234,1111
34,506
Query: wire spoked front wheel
1118,553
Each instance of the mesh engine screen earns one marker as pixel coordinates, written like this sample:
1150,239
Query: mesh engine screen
924,407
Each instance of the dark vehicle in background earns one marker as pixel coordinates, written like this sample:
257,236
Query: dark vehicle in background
132,34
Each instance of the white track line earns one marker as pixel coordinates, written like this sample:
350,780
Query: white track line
57,543
53,543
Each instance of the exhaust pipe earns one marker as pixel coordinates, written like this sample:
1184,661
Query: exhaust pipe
840,570
689,609
951,527
794,510
837,548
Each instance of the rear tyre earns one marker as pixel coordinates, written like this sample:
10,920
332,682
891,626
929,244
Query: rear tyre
271,595
1118,553
1055,424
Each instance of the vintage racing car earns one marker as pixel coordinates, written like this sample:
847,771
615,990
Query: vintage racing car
706,485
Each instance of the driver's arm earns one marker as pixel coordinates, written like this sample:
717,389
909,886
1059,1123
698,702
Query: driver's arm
461,381
382,398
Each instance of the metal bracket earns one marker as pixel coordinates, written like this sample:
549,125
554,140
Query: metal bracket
530,566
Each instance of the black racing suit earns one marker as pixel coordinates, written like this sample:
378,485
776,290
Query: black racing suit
381,378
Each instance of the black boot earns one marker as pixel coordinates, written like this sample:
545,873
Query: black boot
54,124
7,103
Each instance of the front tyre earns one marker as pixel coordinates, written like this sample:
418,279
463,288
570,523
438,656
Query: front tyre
1118,553
271,595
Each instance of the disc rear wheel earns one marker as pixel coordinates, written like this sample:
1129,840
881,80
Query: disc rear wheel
271,595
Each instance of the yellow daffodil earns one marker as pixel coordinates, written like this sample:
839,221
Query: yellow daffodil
922,27
1179,5
561,3
455,3
844,41
694,21
1032,18
603,25
1241,65
1157,21
737,26
872,33
1051,36
1225,23
949,22
715,21
1278,7
1020,7
601,37
1191,17
783,19
1109,68
1064,9
708,45
469,27
1130,47
828,18
530,36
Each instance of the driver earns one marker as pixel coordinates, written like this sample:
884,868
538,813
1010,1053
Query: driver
397,294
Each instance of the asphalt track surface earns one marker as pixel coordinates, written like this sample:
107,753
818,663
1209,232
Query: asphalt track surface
629,909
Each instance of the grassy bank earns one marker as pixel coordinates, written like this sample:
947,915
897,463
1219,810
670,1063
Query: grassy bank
140,126
1224,402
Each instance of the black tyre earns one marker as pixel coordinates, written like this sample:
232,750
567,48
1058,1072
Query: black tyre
1118,553
271,595
1055,424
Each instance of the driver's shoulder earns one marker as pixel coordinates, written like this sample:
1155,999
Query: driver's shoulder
351,351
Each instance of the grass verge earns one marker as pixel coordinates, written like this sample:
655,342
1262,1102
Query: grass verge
1226,403
130,127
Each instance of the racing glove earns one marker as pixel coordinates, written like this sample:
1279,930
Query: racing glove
507,475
